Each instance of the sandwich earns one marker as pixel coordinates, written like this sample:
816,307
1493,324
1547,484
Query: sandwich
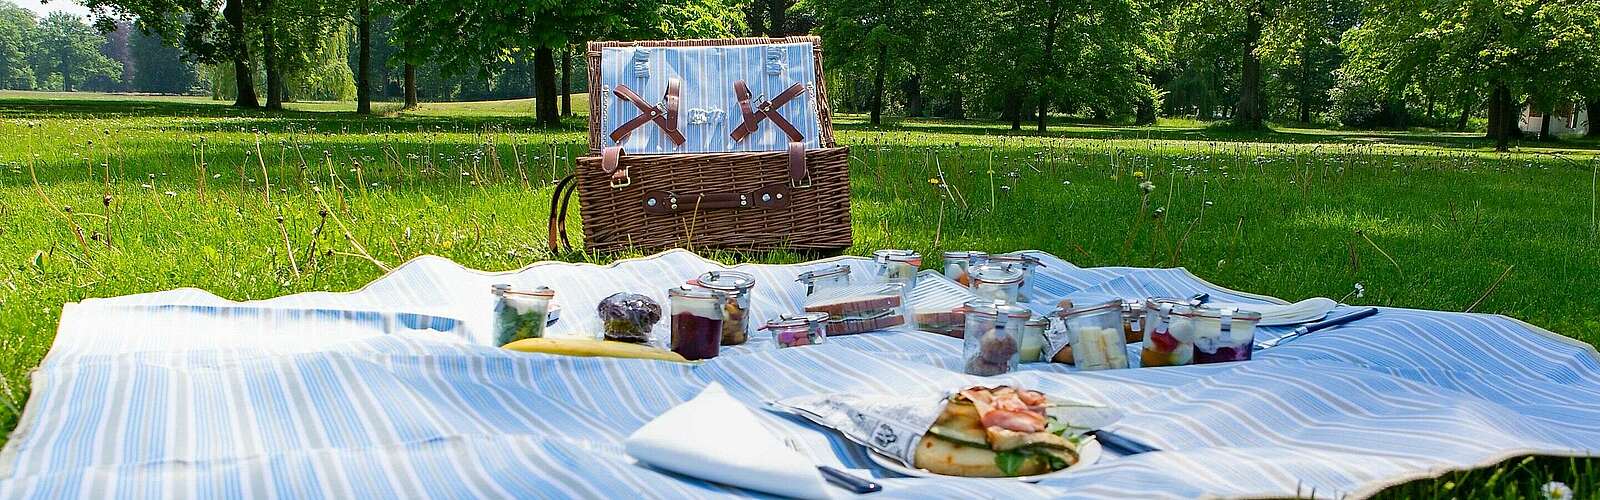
995,432
859,308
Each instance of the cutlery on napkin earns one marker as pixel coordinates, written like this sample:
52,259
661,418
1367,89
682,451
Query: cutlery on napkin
1325,324
1304,311
716,438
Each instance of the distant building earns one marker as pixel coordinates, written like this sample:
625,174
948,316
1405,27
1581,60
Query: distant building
1567,120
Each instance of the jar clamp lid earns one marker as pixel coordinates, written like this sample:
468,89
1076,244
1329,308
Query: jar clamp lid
727,281
995,273
1068,308
892,255
833,271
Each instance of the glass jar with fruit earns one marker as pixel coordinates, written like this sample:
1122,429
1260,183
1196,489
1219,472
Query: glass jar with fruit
996,282
697,316
1223,334
957,265
736,285
1023,263
1168,333
795,330
992,345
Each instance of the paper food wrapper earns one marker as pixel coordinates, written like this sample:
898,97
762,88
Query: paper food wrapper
892,425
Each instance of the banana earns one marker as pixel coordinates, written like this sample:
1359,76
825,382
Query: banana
593,348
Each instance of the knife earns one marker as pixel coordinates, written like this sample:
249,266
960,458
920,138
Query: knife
847,481
1322,325
1121,444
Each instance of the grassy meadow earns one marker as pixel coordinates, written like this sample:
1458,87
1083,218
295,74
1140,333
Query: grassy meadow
104,195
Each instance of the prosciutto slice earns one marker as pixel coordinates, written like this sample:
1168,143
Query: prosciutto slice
1005,408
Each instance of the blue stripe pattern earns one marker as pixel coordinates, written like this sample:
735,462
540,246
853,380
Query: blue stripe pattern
393,391
708,74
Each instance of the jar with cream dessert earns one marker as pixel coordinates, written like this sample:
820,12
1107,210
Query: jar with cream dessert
822,279
697,316
1033,339
993,344
1223,334
1092,329
957,265
898,266
1168,333
996,282
1024,263
520,314
736,285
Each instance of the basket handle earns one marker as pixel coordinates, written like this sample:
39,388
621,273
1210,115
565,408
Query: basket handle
557,224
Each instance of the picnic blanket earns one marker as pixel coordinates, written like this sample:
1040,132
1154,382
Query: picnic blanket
393,391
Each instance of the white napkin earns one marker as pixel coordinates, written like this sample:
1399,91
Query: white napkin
716,438
1304,311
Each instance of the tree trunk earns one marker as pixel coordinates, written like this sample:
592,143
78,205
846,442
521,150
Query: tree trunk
269,58
1047,65
913,89
544,84
1544,125
1594,113
1501,117
776,12
410,85
364,71
958,105
1248,113
1305,80
566,81
244,80
877,83
1013,108
1466,115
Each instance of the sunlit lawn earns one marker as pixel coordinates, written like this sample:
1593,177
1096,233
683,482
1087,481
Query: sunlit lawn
123,204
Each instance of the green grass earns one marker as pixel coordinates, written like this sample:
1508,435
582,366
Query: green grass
1420,219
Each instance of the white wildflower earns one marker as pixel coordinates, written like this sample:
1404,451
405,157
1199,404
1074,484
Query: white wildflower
1556,490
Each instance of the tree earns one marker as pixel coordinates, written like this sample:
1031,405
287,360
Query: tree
19,34
71,49
159,67
1301,51
874,34
364,67
476,35
194,26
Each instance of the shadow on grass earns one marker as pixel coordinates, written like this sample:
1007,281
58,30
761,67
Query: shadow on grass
250,119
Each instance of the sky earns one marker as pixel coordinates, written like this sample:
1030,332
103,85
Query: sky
42,8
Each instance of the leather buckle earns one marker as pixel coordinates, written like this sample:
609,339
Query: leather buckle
801,183
627,180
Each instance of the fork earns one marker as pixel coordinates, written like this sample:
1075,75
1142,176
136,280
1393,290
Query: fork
835,476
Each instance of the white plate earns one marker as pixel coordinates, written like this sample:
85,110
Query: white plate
1088,453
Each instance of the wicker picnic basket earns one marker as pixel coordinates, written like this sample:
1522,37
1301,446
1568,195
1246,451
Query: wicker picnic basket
775,189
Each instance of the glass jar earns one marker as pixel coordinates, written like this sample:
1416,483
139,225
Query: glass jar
828,277
697,316
1033,338
1168,334
520,315
1094,328
898,266
736,285
795,330
996,282
956,265
1024,263
1223,334
991,346
1132,320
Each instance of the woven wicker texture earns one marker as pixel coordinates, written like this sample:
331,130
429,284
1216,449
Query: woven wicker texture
817,218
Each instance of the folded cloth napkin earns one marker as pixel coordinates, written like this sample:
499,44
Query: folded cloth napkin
716,438
1304,311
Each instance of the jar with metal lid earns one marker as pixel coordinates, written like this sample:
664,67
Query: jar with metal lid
996,282
821,279
1033,338
520,314
1092,328
993,344
697,316
898,266
1133,320
1021,262
1168,333
1223,334
794,330
957,265
736,285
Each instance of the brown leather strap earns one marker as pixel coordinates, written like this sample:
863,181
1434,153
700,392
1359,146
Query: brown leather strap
799,176
557,224
664,115
765,110
768,197
611,163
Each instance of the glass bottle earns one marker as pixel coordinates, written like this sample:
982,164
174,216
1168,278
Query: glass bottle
520,315
736,318
697,316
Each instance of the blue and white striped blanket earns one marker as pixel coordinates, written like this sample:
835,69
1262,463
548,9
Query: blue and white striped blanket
392,391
